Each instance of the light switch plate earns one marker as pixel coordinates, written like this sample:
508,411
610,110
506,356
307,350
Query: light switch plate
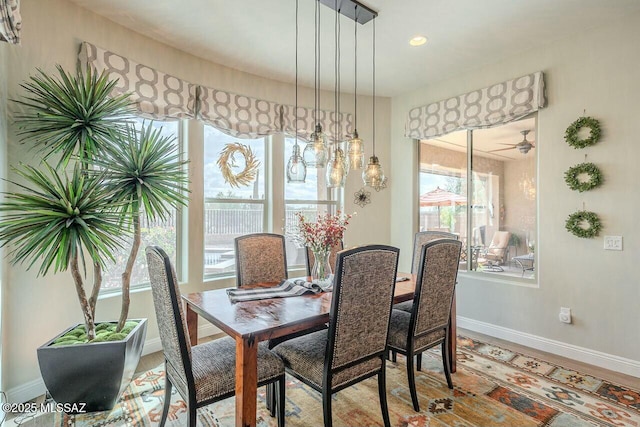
613,243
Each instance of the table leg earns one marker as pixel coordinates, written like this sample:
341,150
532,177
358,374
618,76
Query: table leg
192,324
246,381
453,337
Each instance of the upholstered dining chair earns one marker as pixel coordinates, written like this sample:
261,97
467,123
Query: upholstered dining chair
333,255
429,321
354,346
204,373
419,240
260,257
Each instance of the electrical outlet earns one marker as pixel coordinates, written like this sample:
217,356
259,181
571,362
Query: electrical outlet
565,315
613,243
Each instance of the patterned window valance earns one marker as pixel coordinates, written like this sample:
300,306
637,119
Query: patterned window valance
156,95
483,108
306,123
238,115
10,21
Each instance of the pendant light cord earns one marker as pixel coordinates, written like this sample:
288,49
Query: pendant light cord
355,71
315,64
295,114
335,83
374,86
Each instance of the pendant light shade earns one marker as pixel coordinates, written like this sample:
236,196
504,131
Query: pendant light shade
296,166
315,152
337,169
355,152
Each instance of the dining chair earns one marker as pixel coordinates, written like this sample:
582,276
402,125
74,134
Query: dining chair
260,257
333,255
354,346
430,319
204,373
419,240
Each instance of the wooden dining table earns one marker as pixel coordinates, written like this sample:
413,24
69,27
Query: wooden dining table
250,322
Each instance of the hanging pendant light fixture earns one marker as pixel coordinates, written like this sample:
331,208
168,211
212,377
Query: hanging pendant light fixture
336,170
355,145
373,176
296,166
315,152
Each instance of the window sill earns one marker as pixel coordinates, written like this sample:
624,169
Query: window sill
495,278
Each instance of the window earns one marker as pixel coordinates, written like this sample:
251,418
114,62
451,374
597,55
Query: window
312,198
498,226
230,212
165,234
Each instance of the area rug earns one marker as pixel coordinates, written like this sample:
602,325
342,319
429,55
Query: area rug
493,387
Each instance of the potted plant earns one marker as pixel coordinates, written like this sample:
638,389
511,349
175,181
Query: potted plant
107,176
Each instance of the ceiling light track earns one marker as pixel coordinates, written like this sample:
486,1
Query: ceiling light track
352,9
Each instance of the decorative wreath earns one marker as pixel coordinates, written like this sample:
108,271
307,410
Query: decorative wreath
227,161
571,177
571,134
575,220
362,197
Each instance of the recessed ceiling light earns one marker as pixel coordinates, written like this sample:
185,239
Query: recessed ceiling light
418,41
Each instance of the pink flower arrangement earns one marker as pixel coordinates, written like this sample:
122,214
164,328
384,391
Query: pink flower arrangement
323,234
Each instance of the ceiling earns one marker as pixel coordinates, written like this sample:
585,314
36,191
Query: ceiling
463,34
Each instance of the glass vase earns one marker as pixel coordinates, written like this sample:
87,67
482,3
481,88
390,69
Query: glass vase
321,270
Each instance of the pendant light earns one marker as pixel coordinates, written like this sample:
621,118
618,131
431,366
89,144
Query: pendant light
315,152
296,166
336,170
355,145
373,176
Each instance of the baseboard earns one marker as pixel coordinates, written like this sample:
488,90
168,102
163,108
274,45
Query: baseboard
592,357
36,388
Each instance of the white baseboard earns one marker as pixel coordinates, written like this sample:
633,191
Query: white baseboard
581,354
35,388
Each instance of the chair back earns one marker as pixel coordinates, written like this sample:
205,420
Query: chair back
425,237
171,321
333,255
435,286
260,257
363,289
499,244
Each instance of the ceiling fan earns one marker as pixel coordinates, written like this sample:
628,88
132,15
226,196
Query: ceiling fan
524,146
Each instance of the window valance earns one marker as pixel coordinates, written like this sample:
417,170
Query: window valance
156,95
494,105
307,123
10,21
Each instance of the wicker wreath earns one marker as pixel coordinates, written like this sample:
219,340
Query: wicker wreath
574,224
571,134
571,177
227,161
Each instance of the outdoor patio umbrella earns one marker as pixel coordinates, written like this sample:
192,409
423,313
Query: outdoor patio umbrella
440,197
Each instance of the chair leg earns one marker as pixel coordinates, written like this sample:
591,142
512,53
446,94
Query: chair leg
445,360
167,401
394,356
382,391
270,399
280,400
193,412
326,406
419,361
412,382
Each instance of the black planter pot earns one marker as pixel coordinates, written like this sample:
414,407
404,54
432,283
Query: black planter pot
91,377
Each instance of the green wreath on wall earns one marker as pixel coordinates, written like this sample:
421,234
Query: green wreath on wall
575,220
571,177
571,134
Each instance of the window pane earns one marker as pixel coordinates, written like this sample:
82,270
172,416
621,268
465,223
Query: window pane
214,184
223,222
504,198
295,253
157,232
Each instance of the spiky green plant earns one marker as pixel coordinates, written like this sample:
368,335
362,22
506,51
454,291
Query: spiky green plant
71,114
55,220
146,176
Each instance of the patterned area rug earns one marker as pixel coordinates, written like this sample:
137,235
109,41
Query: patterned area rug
493,387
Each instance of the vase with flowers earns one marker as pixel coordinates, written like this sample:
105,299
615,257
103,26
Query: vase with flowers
320,236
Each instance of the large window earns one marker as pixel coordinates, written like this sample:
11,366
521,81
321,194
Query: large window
481,186
229,211
312,198
165,234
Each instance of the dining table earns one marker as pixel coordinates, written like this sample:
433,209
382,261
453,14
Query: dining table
250,322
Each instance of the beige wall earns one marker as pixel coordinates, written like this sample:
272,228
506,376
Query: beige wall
519,202
597,71
39,308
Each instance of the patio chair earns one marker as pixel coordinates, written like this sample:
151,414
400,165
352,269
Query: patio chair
204,373
494,256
